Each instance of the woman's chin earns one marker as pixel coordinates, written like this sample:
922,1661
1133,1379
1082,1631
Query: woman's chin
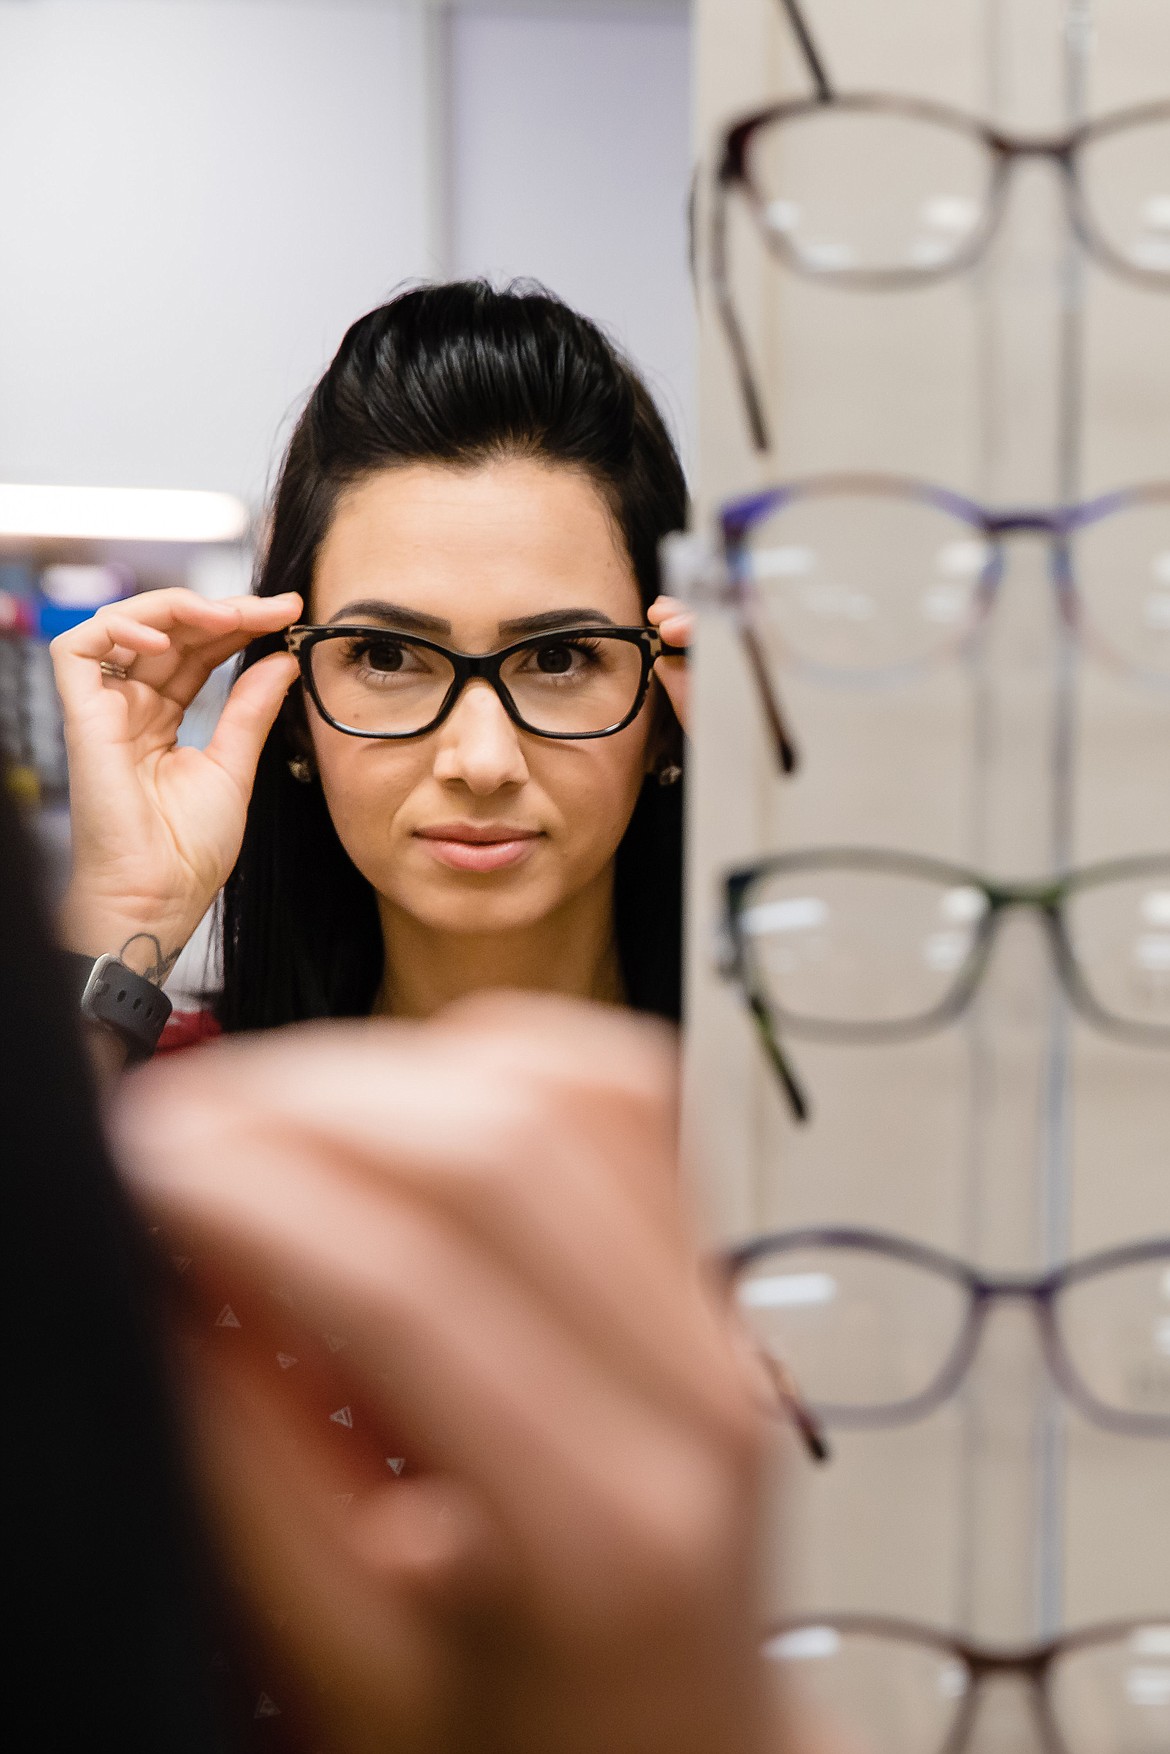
481,909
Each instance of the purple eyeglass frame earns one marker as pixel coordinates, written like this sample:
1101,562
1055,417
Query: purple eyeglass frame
1041,1292
732,582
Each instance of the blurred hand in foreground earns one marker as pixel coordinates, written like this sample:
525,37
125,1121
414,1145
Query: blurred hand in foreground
484,1215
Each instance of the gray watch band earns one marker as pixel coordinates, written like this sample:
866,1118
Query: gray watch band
111,994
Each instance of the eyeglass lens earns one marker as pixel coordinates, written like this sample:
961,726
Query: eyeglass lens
869,1334
1115,1694
878,1694
878,948
1125,189
1121,569
858,585
855,191
1114,1329
388,684
858,947
860,1331
863,584
847,191
890,1693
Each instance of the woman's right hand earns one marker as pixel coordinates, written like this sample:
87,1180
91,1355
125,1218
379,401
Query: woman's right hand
486,1217
157,828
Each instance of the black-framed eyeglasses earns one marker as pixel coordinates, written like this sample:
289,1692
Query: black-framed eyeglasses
880,1330
916,193
891,1686
576,683
863,945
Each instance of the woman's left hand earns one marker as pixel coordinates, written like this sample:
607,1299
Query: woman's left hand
676,623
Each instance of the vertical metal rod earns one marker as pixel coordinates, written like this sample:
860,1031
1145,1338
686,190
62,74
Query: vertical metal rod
980,1059
1055,1189
436,26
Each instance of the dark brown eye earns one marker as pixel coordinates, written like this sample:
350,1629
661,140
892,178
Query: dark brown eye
555,660
384,655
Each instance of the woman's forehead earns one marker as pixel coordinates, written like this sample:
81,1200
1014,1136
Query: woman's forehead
505,539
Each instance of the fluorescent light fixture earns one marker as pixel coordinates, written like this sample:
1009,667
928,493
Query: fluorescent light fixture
1152,953
121,514
963,906
791,561
787,1291
946,951
803,913
1156,907
1148,1687
957,213
804,1642
966,559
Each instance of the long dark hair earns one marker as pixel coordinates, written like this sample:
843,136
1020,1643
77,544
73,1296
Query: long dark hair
455,374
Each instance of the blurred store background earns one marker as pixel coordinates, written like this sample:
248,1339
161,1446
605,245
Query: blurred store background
197,197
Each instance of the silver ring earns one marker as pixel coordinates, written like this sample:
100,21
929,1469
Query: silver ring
117,671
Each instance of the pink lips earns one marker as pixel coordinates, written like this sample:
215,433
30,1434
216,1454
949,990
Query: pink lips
466,846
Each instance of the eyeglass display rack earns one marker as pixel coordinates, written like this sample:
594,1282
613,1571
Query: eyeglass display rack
1017,1137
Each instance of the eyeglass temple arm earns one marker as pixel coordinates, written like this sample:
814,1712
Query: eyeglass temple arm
725,305
808,48
793,1089
787,753
796,1409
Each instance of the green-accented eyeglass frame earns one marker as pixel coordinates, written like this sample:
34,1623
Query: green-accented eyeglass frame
738,962
486,666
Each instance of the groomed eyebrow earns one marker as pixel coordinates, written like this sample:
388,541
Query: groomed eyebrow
391,615
406,620
553,620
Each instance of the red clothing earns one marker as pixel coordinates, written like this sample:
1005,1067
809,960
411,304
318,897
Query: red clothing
185,1029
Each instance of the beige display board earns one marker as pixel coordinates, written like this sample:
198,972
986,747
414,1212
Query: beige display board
1018,1137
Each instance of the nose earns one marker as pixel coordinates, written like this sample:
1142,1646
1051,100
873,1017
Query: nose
478,745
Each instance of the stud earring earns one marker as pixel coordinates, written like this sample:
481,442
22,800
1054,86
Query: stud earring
669,775
300,770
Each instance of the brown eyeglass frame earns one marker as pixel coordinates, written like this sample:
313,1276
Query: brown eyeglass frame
1031,1663
735,175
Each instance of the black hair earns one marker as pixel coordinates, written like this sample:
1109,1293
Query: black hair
457,374
109,1617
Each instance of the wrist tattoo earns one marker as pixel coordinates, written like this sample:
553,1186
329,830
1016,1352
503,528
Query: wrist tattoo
161,966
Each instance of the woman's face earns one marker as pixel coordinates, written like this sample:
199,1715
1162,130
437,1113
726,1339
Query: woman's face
478,826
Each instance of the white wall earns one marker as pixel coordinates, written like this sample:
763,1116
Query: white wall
571,162
197,197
